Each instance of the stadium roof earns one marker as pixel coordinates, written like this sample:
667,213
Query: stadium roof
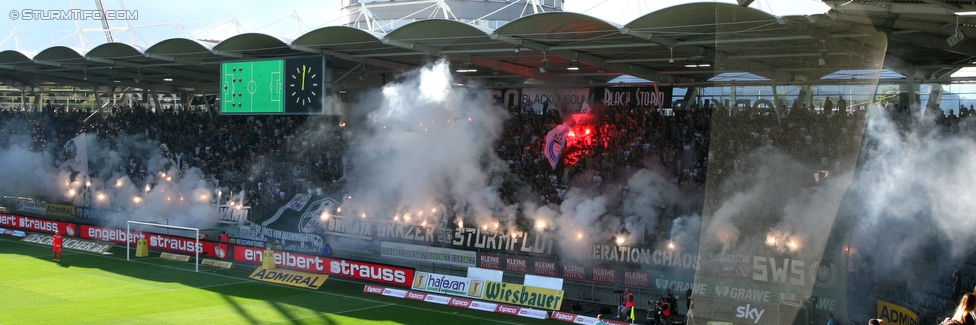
684,44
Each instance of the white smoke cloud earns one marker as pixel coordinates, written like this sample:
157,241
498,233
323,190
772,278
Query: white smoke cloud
770,202
428,142
916,186
179,200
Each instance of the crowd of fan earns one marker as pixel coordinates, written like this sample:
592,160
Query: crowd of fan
621,141
271,158
822,139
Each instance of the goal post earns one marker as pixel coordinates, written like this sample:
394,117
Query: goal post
196,237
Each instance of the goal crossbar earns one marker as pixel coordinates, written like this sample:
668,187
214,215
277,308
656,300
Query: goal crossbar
196,237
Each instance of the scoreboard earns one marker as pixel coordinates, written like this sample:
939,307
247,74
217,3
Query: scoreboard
281,86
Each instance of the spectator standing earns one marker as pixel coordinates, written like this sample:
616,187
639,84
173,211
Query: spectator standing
956,283
832,320
841,105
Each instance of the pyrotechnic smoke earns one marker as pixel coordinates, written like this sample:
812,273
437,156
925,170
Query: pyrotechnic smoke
179,200
685,232
916,187
427,141
770,201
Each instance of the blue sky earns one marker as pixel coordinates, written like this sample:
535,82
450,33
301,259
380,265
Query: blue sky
157,20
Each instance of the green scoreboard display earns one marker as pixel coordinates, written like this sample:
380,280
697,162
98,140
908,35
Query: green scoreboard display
283,86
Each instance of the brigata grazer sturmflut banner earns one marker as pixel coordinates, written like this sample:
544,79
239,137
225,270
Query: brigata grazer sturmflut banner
300,225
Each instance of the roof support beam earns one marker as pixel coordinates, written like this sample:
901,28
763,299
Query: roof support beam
633,70
346,56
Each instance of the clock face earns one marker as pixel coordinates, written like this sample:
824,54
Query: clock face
303,83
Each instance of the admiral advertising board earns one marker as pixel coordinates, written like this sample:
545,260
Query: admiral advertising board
895,314
289,277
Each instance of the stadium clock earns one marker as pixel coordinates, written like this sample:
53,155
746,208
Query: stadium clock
304,84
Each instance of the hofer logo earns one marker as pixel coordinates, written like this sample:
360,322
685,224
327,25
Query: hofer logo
749,313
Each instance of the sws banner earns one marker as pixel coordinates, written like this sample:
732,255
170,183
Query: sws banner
289,277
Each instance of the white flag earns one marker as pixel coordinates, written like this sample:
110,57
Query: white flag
76,154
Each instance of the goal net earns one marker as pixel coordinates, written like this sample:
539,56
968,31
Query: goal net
170,229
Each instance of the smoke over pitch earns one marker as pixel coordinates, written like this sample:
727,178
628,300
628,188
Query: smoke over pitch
160,194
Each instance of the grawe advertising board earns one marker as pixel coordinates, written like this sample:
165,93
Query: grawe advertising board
155,241
458,302
388,274
36,224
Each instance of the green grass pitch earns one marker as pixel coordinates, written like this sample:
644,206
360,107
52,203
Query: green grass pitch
106,289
